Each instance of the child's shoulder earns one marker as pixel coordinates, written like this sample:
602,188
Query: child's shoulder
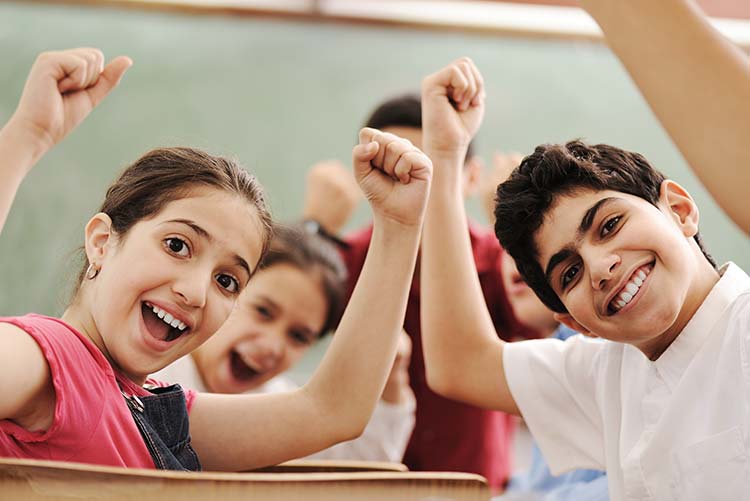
61,344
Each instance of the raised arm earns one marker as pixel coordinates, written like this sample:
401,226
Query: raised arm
463,355
236,432
697,83
331,195
61,90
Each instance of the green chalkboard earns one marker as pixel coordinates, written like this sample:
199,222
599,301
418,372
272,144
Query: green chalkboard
280,95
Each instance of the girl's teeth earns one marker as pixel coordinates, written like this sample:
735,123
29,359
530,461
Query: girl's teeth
637,281
631,288
641,275
626,297
169,319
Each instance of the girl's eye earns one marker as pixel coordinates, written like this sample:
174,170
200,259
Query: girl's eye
569,275
228,282
610,225
263,311
299,338
177,246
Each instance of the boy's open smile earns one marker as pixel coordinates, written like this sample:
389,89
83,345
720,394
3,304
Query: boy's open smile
625,296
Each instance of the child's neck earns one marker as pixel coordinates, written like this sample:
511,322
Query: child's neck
81,320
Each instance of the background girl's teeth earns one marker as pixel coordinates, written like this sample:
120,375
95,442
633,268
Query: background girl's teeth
174,323
161,314
168,318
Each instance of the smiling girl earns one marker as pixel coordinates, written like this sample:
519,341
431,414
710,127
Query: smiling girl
175,242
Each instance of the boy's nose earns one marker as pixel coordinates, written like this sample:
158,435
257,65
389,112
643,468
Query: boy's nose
603,270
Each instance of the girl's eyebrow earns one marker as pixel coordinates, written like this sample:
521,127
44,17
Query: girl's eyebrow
205,234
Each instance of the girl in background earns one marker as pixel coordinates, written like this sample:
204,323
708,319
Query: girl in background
294,300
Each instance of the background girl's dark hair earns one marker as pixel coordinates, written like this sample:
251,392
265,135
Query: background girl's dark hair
554,170
167,174
312,253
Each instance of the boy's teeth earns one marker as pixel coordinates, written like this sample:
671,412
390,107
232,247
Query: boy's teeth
629,291
168,319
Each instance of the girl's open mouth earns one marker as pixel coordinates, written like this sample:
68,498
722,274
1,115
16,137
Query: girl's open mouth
241,370
162,325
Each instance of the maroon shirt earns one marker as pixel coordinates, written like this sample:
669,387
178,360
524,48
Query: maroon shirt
449,435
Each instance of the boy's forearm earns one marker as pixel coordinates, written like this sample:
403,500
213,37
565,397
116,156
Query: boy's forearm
456,326
697,83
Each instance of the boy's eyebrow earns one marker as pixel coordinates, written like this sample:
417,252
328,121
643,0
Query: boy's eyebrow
203,233
586,222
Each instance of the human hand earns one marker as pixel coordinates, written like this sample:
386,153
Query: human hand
61,90
331,194
394,175
452,108
503,165
397,389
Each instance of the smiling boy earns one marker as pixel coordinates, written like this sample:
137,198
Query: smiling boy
613,247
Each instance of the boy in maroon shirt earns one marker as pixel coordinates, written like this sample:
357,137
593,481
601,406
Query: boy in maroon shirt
448,435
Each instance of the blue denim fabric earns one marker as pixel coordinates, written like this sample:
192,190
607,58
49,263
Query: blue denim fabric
162,419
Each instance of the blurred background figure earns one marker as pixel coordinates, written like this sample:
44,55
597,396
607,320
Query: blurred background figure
294,300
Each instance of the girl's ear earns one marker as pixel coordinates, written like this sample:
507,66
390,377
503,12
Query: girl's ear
571,323
681,206
98,234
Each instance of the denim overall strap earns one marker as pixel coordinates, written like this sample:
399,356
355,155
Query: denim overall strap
162,419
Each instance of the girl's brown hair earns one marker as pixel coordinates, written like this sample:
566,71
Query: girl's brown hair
164,175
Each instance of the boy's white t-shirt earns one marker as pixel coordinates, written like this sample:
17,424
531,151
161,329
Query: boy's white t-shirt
384,439
675,428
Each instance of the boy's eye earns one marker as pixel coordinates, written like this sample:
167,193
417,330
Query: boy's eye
228,282
610,225
177,246
569,275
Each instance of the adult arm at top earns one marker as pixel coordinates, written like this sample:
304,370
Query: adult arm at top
696,82
463,354
238,432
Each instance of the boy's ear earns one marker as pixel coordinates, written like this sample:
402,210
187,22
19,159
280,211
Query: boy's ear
571,323
98,233
681,206
472,175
